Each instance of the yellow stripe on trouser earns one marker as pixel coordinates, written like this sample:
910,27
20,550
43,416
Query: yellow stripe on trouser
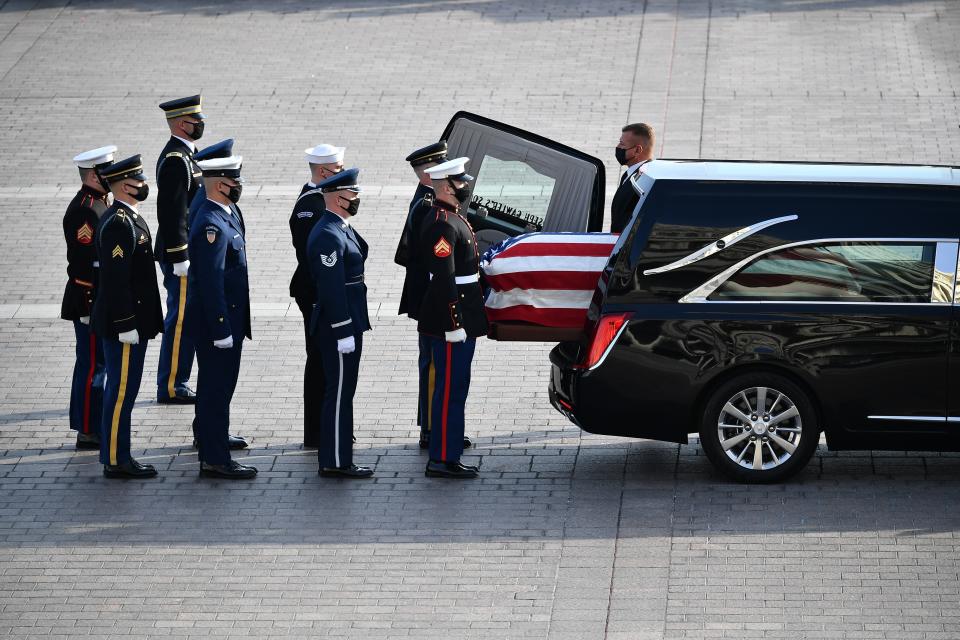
115,424
175,347
431,383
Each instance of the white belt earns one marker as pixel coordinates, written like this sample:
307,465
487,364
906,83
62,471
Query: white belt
468,279
96,264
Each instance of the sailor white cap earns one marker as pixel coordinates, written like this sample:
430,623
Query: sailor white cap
95,157
324,154
455,169
228,167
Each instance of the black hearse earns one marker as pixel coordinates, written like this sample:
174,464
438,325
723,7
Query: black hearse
757,304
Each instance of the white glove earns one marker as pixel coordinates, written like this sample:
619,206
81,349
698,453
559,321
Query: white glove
224,343
129,337
180,268
460,335
84,319
346,345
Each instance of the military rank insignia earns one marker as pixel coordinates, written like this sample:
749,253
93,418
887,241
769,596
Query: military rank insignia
442,249
330,260
117,252
143,238
211,234
85,234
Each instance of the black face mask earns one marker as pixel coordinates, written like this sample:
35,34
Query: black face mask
460,193
142,192
234,194
352,206
621,155
197,132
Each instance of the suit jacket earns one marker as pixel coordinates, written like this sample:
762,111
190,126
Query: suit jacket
79,230
127,295
308,209
624,201
408,253
335,254
448,248
218,287
177,179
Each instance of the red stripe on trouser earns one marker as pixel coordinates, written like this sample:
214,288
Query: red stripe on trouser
446,403
89,385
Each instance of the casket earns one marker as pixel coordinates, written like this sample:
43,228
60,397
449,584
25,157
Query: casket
540,284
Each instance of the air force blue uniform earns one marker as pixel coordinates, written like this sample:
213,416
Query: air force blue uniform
336,254
218,306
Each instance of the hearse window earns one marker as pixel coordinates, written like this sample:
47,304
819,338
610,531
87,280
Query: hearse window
845,272
513,192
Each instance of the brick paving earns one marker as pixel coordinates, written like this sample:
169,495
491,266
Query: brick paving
566,535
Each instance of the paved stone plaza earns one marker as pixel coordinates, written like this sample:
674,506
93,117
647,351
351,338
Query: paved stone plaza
566,535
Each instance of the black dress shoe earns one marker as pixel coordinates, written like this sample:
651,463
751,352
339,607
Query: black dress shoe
88,441
438,469
130,469
353,471
233,470
233,442
425,442
184,395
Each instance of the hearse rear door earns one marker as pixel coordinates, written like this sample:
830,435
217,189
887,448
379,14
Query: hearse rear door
524,182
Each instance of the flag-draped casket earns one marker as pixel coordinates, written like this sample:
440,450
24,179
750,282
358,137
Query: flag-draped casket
545,279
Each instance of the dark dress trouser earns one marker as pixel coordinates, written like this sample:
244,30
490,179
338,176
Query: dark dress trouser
124,364
217,374
89,375
336,418
313,382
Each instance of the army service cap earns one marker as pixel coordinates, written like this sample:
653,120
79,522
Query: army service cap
436,152
127,169
180,107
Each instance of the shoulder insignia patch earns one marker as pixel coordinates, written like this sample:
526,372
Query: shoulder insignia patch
174,154
85,234
305,214
117,252
212,234
442,249
330,260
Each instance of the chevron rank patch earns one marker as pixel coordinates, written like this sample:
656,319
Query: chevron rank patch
442,249
85,234
330,260
305,214
117,252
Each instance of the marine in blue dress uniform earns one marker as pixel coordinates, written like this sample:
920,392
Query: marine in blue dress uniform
177,179
451,316
335,254
79,227
417,275
218,312
325,160
126,311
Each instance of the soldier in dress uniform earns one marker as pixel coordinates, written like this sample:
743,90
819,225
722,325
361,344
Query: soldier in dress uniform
336,253
177,180
325,160
126,311
451,316
222,149
218,312
417,275
79,227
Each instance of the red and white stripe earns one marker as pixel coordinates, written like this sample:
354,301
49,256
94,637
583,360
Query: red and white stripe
546,279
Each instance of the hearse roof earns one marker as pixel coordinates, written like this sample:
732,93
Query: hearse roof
801,172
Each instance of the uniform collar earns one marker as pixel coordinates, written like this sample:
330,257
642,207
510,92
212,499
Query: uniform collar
343,221
129,207
188,143
440,204
634,167
90,191
222,206
311,184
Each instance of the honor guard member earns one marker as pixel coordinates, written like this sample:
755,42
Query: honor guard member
177,180
634,149
451,316
325,160
417,275
79,227
126,311
218,313
336,253
222,149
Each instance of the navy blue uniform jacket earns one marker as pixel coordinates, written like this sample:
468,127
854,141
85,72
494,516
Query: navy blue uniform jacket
336,253
218,289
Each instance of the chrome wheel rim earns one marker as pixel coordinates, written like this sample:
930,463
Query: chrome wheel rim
759,428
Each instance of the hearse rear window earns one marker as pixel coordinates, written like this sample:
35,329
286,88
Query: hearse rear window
513,192
845,272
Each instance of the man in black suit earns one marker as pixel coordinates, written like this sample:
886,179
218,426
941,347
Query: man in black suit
634,150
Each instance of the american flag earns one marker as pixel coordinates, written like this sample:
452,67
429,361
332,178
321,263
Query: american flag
545,279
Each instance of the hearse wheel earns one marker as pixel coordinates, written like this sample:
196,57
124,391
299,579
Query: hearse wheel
759,427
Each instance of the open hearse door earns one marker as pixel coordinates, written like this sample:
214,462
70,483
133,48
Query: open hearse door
525,183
